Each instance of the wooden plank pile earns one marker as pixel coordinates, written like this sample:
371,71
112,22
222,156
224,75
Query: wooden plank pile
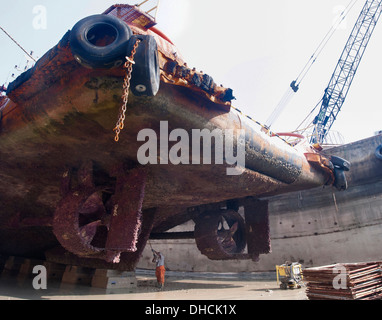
356,281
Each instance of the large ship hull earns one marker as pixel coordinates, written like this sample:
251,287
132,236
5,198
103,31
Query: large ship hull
66,183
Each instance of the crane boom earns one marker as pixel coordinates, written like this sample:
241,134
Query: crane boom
343,76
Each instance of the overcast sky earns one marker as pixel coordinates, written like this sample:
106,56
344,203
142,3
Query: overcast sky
254,47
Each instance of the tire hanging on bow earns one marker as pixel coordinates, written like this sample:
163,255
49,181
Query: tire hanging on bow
103,42
100,41
145,79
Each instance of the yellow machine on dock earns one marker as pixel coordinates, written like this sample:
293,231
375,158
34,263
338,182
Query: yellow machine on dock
290,275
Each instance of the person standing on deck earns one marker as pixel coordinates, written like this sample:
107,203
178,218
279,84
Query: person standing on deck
160,268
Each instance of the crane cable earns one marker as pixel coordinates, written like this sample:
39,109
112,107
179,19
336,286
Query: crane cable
10,37
306,122
324,42
316,54
279,108
295,85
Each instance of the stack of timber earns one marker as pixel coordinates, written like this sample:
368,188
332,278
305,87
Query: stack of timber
357,281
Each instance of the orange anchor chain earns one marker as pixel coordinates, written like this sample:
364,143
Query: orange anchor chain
125,97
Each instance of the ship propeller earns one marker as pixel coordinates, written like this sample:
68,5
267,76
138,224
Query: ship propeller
91,223
221,235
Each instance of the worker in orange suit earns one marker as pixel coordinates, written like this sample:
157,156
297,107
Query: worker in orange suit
160,268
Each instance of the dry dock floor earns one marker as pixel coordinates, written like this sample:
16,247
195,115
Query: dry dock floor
179,286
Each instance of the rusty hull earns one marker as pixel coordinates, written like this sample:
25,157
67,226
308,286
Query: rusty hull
60,116
69,116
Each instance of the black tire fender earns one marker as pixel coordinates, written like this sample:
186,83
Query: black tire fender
340,183
340,163
100,41
145,79
378,152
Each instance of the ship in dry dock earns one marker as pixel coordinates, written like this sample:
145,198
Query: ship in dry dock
320,226
75,189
